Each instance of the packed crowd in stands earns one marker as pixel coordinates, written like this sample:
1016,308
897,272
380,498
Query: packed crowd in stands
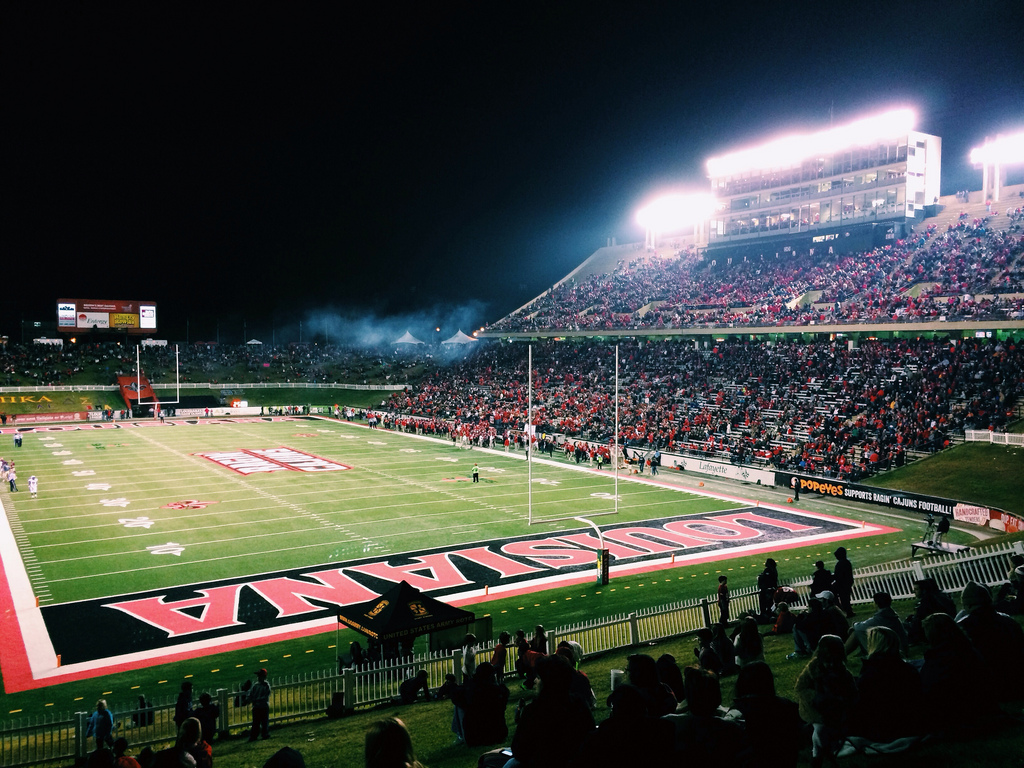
969,271
822,408
885,684
43,364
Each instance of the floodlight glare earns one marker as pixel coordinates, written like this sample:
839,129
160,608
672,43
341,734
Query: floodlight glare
1004,150
676,211
789,151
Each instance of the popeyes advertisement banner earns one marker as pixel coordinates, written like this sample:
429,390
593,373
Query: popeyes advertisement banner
961,511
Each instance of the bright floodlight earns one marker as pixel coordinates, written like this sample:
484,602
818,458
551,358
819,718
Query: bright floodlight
788,151
673,212
1005,150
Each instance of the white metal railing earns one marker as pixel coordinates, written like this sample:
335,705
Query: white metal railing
61,737
999,438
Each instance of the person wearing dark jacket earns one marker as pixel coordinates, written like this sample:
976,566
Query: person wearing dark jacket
996,636
930,599
821,579
767,583
890,704
483,701
772,724
554,725
842,581
630,736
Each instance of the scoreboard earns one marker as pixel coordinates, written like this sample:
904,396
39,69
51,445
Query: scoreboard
77,315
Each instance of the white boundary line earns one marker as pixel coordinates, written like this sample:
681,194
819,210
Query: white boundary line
29,619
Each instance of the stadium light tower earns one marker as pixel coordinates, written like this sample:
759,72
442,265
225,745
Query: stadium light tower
673,212
790,151
997,154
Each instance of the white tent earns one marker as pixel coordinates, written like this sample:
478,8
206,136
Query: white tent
459,338
254,341
407,338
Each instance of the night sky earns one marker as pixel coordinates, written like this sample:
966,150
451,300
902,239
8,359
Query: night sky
436,163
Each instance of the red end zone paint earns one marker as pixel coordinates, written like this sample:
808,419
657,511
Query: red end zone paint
18,675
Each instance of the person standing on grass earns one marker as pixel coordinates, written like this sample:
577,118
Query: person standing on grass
476,473
723,599
842,581
259,697
12,478
101,725
33,485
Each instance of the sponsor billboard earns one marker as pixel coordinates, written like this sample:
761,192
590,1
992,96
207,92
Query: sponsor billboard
92,320
961,511
94,314
66,312
123,320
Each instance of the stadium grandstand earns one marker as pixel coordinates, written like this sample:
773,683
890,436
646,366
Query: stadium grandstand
831,319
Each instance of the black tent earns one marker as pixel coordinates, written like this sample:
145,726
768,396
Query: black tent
403,611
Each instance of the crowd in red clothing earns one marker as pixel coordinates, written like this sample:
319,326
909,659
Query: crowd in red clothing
969,271
823,408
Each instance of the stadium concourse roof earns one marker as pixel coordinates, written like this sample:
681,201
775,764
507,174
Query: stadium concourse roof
459,338
407,338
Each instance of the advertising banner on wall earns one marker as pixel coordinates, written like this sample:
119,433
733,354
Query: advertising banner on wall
66,311
106,314
123,320
99,320
742,472
961,511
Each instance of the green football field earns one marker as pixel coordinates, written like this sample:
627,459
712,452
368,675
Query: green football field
127,510
160,542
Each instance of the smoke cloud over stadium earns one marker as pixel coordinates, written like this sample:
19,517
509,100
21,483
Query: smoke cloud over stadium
368,329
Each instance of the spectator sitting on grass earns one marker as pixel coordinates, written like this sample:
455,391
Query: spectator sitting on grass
748,643
784,621
702,738
772,724
810,626
410,689
890,704
122,760
826,692
953,667
643,674
630,736
553,726
996,636
388,745
930,599
884,616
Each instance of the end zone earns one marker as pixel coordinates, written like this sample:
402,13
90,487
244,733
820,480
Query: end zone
161,626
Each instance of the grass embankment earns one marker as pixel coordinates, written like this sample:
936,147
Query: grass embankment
339,743
975,472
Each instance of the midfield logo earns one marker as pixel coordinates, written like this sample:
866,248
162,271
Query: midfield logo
247,462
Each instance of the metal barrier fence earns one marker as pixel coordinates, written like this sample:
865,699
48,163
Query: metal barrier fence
998,438
61,737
